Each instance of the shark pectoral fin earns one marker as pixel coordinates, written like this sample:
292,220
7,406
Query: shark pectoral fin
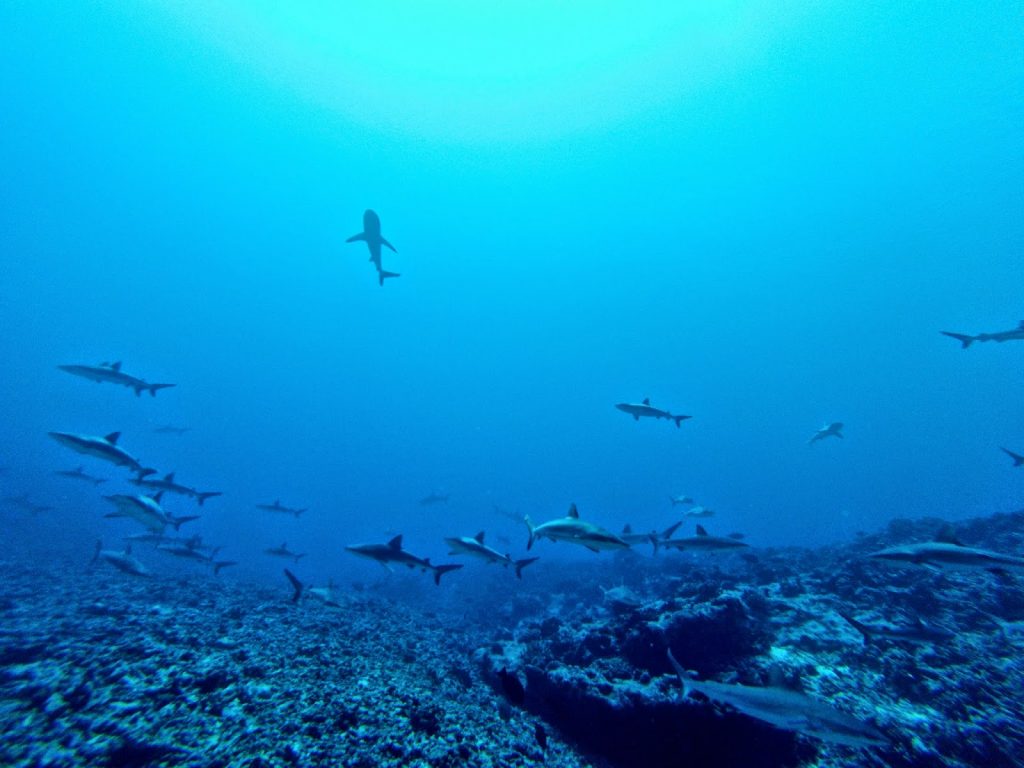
592,549
389,245
357,238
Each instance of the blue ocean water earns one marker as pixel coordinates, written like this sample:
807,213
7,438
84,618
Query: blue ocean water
758,215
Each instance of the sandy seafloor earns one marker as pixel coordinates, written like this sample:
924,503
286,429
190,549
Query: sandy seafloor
101,668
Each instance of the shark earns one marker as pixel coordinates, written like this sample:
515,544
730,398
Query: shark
374,240
703,541
653,538
277,506
105,448
392,553
681,499
25,503
786,709
1018,460
636,410
916,633
475,547
170,429
575,531
79,474
123,561
283,551
1015,334
835,429
112,374
167,483
146,510
947,551
699,512
183,550
325,595
434,498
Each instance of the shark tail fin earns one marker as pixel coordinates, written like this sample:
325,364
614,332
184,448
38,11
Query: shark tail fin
201,497
856,625
529,525
679,420
1018,460
383,275
684,677
299,556
222,564
520,564
296,585
654,542
357,238
964,339
154,387
178,521
441,570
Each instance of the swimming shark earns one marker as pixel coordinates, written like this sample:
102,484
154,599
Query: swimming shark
916,633
168,484
786,709
475,547
835,429
373,239
170,429
105,448
699,512
704,542
111,373
573,530
283,551
392,552
79,474
183,550
676,500
325,595
25,503
636,410
123,561
1018,460
434,498
277,506
146,510
947,551
1016,334
653,538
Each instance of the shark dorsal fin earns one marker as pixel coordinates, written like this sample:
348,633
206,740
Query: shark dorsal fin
670,530
479,538
169,477
573,512
112,438
115,366
946,535
647,401
627,529
1021,324
157,497
701,531
396,543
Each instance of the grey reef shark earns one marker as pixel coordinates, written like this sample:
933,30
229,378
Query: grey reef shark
575,531
835,429
475,547
646,410
786,709
1015,334
392,554
111,373
374,240
946,551
105,448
